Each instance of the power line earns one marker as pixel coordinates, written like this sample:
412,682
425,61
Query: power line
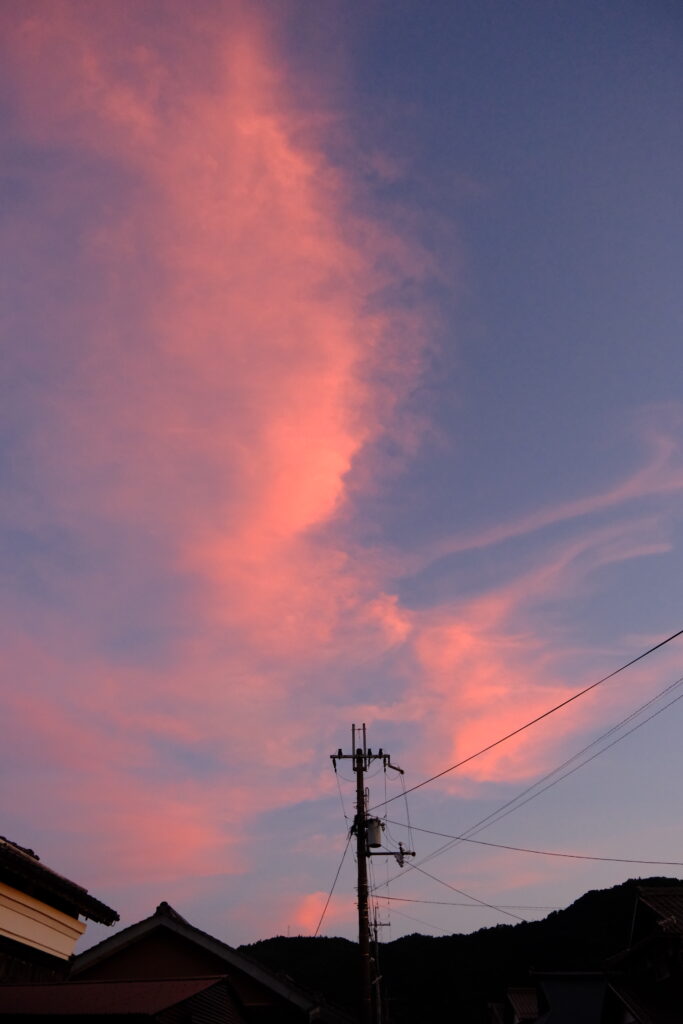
341,795
336,877
461,892
472,906
418,920
506,809
516,802
545,853
539,718
411,842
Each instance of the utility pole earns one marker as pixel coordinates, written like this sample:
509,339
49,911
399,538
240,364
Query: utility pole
361,758
360,765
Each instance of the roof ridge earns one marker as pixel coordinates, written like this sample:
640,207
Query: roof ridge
165,909
166,917
20,848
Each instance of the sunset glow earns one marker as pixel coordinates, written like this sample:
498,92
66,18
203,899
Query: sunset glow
287,446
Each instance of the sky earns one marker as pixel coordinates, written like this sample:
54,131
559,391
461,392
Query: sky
341,382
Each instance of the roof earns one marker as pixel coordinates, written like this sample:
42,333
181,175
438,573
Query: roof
106,997
166,917
23,869
524,1002
667,903
659,1004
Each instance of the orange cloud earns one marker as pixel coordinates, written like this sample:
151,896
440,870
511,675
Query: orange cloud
306,914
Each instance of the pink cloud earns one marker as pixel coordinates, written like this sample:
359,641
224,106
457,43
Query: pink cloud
483,666
221,358
307,912
224,363
231,424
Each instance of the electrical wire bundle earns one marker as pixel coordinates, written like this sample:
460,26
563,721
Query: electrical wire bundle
629,724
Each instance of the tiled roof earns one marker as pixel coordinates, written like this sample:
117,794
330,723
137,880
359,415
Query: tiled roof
667,903
524,1002
660,1004
23,868
109,997
166,917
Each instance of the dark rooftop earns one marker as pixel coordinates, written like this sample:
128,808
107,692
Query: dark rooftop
524,1002
23,869
166,917
103,997
667,903
660,1004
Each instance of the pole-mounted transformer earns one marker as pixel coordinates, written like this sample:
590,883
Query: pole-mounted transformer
368,832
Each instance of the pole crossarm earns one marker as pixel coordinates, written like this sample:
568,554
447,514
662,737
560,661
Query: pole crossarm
362,757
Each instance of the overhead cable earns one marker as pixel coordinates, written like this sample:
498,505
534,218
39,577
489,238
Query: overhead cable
341,795
532,791
461,892
336,878
553,777
545,853
471,906
539,718
418,920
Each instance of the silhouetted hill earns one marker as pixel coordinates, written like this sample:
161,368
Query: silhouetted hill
453,977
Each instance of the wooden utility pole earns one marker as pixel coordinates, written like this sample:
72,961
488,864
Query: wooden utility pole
361,758
360,764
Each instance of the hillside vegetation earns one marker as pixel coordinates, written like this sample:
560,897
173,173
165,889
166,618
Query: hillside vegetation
453,977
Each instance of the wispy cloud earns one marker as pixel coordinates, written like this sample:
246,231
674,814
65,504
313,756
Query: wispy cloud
197,415
208,341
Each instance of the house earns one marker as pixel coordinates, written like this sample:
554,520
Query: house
161,969
641,985
646,980
165,946
165,969
40,913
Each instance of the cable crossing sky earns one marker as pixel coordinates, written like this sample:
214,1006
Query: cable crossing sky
533,721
